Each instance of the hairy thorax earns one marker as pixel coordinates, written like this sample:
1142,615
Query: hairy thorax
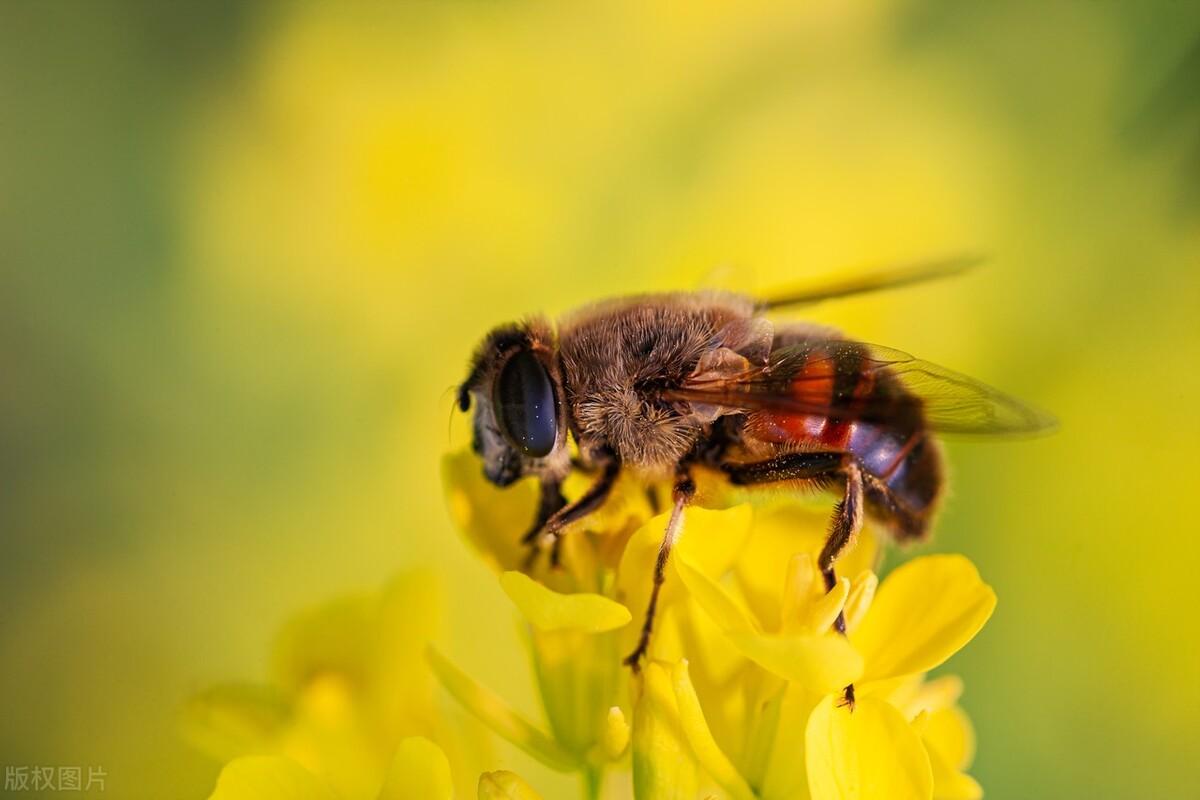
616,358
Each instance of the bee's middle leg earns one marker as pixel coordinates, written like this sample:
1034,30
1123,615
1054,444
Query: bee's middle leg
684,491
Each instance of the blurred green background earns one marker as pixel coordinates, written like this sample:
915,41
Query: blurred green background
246,248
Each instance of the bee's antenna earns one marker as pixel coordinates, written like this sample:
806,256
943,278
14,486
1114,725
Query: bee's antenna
457,405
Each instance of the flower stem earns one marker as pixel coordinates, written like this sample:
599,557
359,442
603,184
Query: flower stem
593,782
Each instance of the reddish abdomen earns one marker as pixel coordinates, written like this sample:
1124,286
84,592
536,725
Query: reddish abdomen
890,440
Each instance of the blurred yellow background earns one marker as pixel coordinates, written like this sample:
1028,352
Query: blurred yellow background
245,249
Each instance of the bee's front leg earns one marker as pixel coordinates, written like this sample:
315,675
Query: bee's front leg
550,502
548,530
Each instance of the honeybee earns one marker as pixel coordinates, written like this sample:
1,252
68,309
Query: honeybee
663,384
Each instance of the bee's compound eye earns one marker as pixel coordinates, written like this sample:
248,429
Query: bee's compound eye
526,406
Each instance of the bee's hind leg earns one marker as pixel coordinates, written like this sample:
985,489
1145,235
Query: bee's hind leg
684,491
845,525
847,522
817,467
821,468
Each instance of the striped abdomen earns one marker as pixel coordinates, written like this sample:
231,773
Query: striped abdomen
881,425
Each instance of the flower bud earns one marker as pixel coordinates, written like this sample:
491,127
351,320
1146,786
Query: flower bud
504,785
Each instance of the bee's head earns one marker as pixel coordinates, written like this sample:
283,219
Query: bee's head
519,425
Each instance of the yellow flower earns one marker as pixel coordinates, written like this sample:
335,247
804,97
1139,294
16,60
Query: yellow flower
887,745
580,619
664,767
945,730
736,633
575,625
419,771
742,691
269,778
350,682
503,785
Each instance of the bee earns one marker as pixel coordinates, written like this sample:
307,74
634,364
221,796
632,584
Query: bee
662,385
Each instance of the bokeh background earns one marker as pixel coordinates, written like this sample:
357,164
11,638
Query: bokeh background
246,248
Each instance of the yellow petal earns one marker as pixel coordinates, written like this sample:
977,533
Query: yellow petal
700,738
862,593
578,676
635,574
627,504
823,612
819,662
549,610
710,541
822,662
760,716
335,637
923,613
801,588
704,643
496,714
949,783
950,742
900,692
504,785
402,690
929,696
786,776
727,612
616,734
663,765
870,753
231,720
329,737
370,645
780,532
268,778
492,519
949,731
419,771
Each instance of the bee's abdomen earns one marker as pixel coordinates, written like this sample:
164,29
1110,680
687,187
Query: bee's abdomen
909,464
882,427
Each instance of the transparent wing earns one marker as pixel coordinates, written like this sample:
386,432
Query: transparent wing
863,283
854,380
